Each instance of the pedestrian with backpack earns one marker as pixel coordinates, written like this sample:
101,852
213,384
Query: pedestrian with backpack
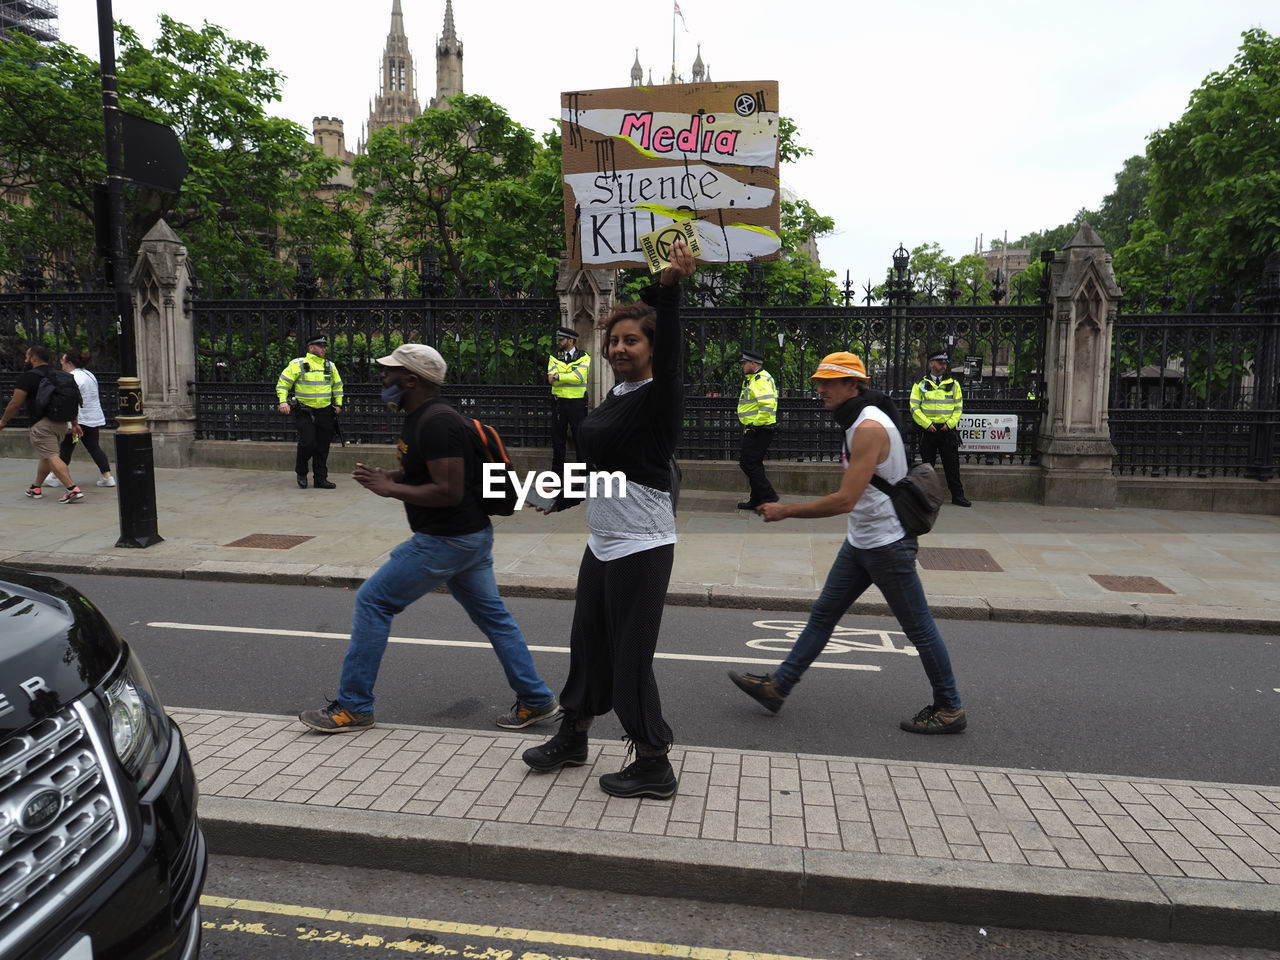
91,420
52,400
438,480
876,549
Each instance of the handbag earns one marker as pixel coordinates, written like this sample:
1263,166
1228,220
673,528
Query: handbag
917,498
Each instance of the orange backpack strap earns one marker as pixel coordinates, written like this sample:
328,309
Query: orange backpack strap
485,435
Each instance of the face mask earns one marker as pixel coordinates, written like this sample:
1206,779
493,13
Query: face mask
392,395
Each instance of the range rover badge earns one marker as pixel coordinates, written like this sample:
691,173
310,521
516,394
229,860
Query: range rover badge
40,811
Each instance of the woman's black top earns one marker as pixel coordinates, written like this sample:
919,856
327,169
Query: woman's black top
637,432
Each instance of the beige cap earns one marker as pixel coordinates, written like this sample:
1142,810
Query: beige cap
417,358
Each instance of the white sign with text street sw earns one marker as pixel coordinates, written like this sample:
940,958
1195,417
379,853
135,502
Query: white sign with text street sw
988,433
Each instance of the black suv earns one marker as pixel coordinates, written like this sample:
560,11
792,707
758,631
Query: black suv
101,855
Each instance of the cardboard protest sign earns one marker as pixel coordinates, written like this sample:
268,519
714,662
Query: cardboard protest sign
637,160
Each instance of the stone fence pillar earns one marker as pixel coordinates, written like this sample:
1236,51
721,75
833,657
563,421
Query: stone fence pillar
165,343
1075,439
585,297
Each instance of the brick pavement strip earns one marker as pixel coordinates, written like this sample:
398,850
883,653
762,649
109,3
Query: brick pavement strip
976,819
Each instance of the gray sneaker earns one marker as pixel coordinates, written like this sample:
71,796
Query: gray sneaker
335,719
761,688
522,715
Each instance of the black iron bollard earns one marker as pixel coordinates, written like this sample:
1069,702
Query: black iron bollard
135,470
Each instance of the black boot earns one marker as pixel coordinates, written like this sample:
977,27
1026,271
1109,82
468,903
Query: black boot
568,748
649,776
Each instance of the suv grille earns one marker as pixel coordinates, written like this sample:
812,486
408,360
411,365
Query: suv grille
59,816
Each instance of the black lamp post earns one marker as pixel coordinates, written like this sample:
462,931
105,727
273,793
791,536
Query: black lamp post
135,465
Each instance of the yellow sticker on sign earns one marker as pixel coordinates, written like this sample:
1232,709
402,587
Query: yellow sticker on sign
657,245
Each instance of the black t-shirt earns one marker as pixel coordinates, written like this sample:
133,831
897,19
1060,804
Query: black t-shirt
439,436
29,380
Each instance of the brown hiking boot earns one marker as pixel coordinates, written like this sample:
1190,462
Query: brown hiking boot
935,719
761,688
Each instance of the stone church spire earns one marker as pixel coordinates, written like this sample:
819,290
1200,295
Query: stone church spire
637,71
398,100
448,62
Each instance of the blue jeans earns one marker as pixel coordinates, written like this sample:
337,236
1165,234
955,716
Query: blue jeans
417,567
892,568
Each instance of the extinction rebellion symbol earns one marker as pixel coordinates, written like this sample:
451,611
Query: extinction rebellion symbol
744,105
40,811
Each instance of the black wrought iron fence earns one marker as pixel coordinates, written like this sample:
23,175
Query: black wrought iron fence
52,310
495,342
1197,393
997,351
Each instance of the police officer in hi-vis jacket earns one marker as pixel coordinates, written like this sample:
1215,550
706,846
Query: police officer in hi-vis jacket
310,388
936,405
758,414
567,371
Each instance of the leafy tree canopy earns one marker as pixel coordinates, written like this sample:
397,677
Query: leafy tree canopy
1215,172
251,175
50,152
469,183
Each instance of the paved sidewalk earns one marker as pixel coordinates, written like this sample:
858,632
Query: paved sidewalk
1158,859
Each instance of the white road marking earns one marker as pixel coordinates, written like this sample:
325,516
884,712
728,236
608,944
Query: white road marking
480,644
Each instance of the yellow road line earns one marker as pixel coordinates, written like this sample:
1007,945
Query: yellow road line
486,932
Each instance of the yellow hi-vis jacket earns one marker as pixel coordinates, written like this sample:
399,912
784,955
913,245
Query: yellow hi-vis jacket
572,384
758,401
313,381
937,401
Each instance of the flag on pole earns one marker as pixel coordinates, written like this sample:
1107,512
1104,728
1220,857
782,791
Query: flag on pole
681,16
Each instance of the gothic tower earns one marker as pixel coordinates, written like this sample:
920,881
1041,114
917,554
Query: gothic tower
448,62
398,101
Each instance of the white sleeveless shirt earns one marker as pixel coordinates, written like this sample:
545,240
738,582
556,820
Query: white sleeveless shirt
873,522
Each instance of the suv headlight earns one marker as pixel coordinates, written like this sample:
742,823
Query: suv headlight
139,727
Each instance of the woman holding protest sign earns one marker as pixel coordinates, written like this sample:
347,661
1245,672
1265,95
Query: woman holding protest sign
626,566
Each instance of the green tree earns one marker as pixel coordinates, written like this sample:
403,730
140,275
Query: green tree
933,273
513,227
50,153
470,182
251,180
1215,172
1124,206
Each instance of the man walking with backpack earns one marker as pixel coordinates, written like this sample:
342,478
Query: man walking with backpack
53,404
438,481
875,550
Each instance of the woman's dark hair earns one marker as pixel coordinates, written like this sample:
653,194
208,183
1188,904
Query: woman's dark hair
642,313
76,357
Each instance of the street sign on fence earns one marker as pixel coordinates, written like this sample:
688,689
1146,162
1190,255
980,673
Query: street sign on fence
988,433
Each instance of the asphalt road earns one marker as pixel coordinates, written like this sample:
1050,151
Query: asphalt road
270,910
1187,705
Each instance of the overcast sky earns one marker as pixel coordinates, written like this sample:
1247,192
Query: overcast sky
964,119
